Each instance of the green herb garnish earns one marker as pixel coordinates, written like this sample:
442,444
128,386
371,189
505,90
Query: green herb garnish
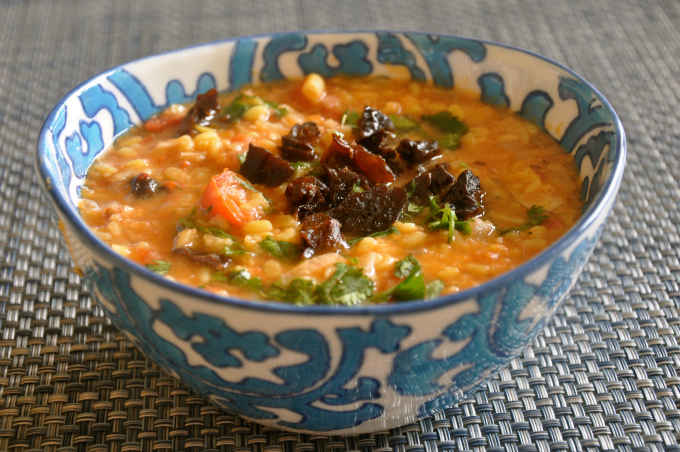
445,218
242,278
388,231
350,118
281,250
452,128
433,289
413,286
188,222
280,112
159,267
348,286
241,157
235,110
407,124
535,215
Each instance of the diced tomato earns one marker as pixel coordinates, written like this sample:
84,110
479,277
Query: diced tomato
224,196
551,223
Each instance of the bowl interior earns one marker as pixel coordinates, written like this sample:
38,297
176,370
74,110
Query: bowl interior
87,120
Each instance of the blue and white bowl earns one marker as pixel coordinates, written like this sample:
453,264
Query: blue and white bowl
326,369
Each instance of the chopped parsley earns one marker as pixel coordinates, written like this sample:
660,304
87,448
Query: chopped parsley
348,286
388,231
412,286
350,118
159,267
535,216
280,112
281,250
188,222
452,128
445,218
235,110
407,124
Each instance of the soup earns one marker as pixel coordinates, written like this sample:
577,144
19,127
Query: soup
340,191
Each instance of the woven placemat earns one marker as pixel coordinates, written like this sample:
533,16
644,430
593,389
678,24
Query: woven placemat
602,376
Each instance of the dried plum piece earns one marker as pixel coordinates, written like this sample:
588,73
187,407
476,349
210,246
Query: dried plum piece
143,186
321,234
338,154
340,184
263,167
435,181
203,111
215,260
299,144
372,166
341,154
374,132
374,210
308,194
417,151
206,248
465,196
441,179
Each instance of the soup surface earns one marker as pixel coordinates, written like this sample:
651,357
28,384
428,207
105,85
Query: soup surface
339,191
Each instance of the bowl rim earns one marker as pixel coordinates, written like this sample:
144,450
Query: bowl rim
78,227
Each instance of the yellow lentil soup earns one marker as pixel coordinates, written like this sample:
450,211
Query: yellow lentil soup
259,194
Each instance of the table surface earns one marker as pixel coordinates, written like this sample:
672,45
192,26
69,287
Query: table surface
602,376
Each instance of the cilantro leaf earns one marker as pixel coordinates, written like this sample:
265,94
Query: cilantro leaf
241,157
388,231
452,128
242,278
350,118
450,141
433,289
445,218
348,286
281,250
407,124
445,122
535,215
188,222
299,291
248,186
413,285
235,110
280,112
159,267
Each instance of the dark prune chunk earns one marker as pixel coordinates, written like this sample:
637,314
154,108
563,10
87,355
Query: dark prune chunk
339,153
372,166
465,196
435,181
441,179
204,109
143,186
263,167
340,184
308,194
374,210
373,127
417,151
217,261
419,187
299,144
321,234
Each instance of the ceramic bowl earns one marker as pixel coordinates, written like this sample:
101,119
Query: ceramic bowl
324,369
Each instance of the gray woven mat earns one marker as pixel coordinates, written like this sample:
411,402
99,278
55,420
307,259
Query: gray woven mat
602,376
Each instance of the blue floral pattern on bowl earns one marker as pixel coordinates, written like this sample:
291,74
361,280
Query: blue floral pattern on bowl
327,369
